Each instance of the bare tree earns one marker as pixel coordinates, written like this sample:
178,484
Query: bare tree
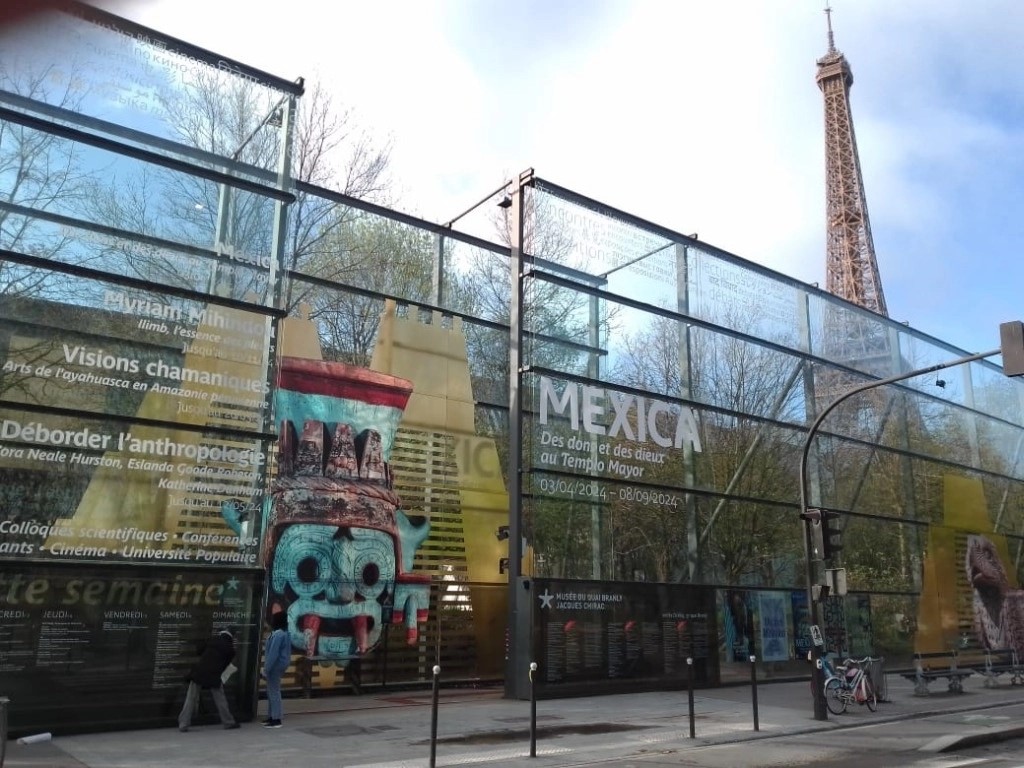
240,121
378,255
39,171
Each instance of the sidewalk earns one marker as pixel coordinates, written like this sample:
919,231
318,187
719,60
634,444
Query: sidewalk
391,729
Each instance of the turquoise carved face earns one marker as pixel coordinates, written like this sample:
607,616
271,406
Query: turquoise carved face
340,581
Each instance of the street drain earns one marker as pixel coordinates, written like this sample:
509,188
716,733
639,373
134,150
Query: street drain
501,737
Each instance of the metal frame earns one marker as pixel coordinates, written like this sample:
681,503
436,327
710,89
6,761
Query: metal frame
105,19
145,155
520,269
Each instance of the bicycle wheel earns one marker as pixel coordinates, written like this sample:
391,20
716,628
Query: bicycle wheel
870,697
834,699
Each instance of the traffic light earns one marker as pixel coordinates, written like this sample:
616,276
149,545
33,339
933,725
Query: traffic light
826,536
831,534
1011,345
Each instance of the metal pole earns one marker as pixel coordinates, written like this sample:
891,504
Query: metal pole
433,716
533,710
753,688
817,674
689,684
4,704
448,224
518,266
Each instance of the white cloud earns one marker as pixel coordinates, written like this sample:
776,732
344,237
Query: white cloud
699,116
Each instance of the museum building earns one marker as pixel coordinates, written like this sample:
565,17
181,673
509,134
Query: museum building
576,440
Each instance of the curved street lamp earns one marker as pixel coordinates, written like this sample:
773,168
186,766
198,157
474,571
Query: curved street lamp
817,675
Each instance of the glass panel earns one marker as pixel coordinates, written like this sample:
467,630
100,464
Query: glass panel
748,458
350,247
851,336
123,196
881,555
618,255
133,353
733,296
487,349
893,624
745,377
143,84
745,542
565,535
950,384
477,281
596,432
996,394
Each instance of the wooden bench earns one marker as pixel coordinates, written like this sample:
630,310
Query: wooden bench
353,671
1001,661
932,666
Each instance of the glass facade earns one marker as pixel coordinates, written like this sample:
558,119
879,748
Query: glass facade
226,392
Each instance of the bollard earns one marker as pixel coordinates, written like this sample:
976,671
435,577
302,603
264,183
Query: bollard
689,681
433,717
533,711
818,685
753,687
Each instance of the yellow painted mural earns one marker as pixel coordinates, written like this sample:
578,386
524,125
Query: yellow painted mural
969,597
431,352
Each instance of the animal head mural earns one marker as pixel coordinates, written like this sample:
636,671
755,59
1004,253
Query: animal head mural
998,607
339,548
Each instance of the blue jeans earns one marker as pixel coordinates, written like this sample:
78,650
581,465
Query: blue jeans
274,694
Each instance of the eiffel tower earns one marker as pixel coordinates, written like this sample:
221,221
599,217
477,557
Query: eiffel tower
857,339
851,267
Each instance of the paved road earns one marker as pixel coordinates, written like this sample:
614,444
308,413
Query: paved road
391,729
891,744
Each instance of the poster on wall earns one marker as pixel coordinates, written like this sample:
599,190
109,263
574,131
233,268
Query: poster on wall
96,489
121,638
833,626
339,547
858,625
151,446
386,486
605,636
737,625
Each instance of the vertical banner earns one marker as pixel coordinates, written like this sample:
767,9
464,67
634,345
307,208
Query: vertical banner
774,636
737,625
858,625
970,596
833,611
801,624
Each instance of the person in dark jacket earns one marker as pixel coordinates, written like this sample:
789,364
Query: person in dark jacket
215,656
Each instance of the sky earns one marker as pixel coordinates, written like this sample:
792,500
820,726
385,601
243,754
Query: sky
703,117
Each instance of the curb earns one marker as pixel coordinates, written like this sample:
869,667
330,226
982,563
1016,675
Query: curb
966,741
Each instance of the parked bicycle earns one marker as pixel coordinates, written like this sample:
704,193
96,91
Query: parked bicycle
848,683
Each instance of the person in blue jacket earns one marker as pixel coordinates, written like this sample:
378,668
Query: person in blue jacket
277,655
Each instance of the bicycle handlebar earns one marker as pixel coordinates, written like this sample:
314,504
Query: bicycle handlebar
861,662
